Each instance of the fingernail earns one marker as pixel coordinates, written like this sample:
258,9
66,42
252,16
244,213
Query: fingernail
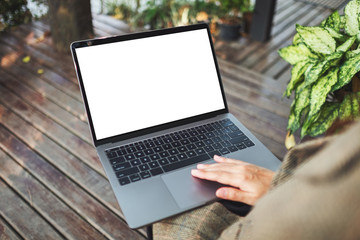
194,171
221,193
199,166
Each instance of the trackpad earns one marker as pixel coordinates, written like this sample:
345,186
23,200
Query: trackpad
189,191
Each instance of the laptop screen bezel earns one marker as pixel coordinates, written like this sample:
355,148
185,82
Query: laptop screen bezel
133,36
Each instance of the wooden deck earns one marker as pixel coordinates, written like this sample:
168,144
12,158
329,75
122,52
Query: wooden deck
263,58
52,185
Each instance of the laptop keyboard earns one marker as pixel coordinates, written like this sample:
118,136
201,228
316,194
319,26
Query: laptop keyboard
151,157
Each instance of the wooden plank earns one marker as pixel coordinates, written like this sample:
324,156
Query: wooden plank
11,57
108,29
257,127
98,215
49,108
291,16
7,232
62,138
70,166
37,84
257,80
23,218
110,21
278,65
257,59
46,204
23,39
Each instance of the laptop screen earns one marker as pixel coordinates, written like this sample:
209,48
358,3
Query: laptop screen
141,83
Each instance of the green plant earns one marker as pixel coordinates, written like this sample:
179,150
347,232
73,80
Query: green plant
325,73
13,12
230,11
120,10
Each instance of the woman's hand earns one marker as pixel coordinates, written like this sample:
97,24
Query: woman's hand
249,181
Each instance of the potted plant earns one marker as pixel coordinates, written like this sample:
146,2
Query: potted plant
325,73
230,17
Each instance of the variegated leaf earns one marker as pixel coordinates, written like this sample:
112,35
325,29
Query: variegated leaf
317,39
351,18
345,109
352,54
297,39
327,116
355,104
321,89
349,108
313,74
297,75
297,53
333,21
346,45
347,71
302,100
335,34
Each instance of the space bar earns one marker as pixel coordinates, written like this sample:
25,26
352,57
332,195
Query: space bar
186,162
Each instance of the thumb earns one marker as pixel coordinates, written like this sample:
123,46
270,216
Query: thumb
234,194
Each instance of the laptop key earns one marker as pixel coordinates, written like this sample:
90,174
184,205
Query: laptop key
200,144
121,152
127,172
176,144
156,171
236,134
154,157
182,149
124,181
117,160
144,167
191,146
187,162
139,154
173,159
173,151
193,139
199,151
163,162
167,146
240,146
135,178
130,157
232,149
121,166
181,156
239,139
164,154
213,153
154,164
145,174
191,154
158,149
208,148
140,147
111,155
135,162
131,149
224,151
249,143
148,151
145,159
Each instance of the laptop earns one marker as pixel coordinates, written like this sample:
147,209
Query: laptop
156,107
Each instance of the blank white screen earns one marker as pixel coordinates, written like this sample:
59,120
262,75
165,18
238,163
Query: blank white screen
132,85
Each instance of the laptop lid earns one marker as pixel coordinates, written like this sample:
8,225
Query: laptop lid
145,82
